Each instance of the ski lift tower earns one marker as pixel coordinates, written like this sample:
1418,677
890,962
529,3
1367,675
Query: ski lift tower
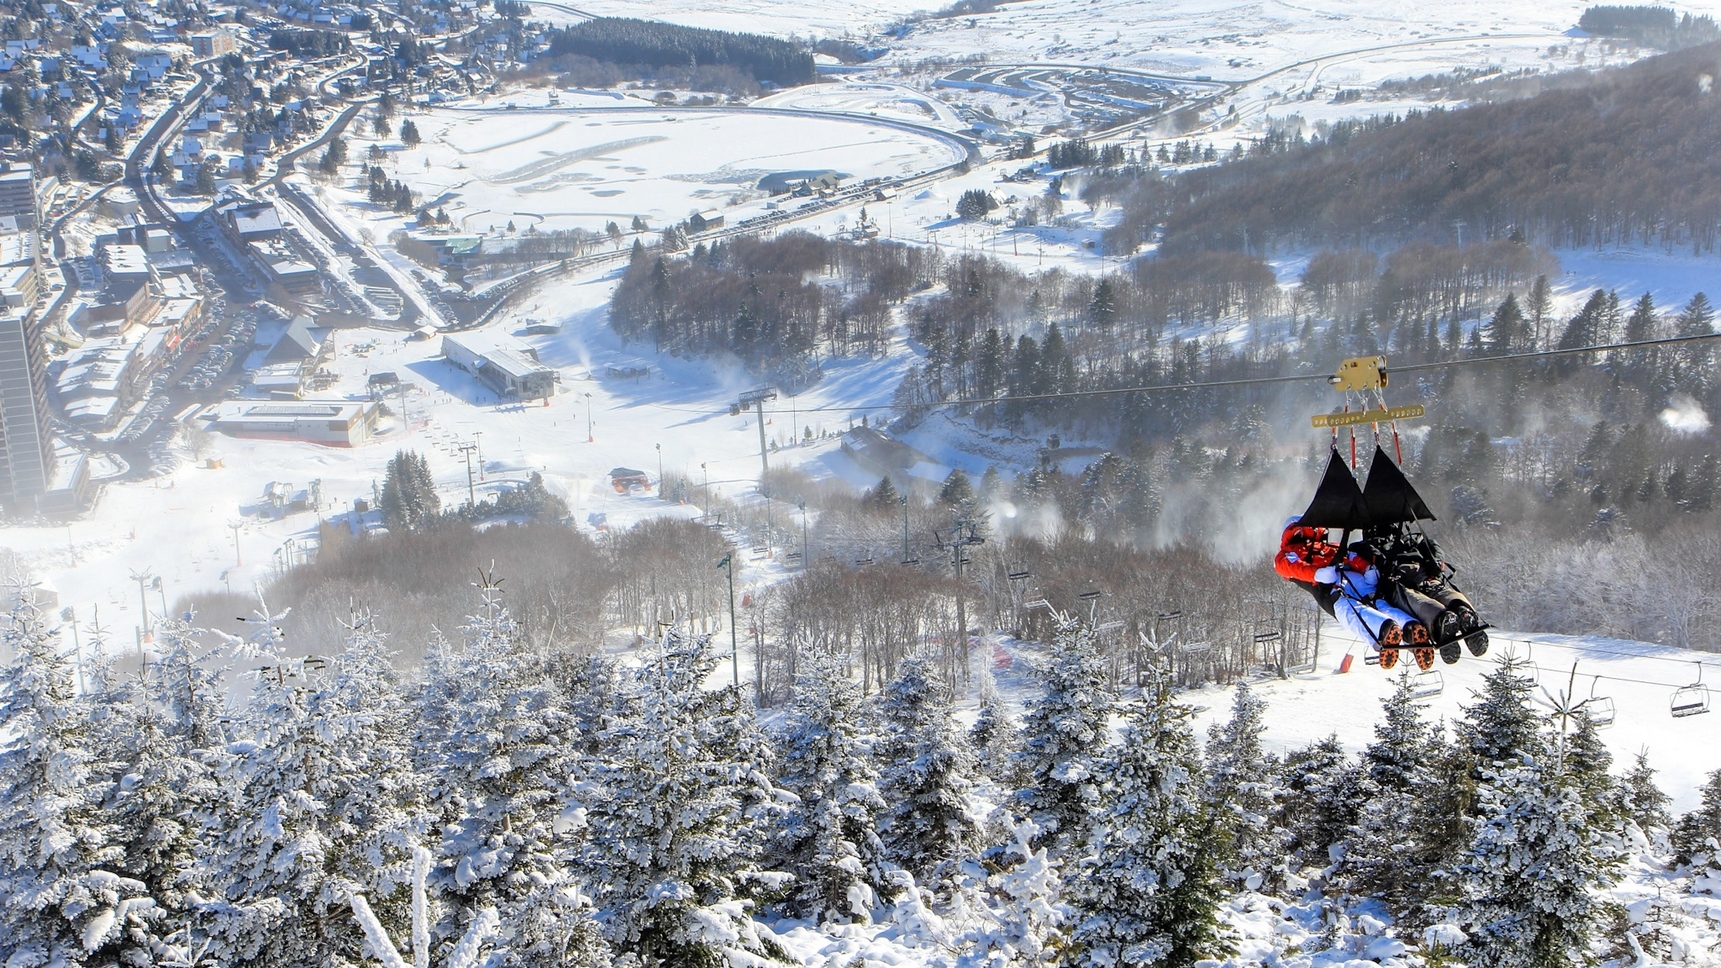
964,534
755,400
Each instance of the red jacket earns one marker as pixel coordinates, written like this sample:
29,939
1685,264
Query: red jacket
1302,552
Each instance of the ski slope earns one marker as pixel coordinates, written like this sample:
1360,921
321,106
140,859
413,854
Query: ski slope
1639,677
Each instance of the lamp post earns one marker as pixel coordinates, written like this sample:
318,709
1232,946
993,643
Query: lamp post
707,498
806,549
589,437
238,556
728,566
659,469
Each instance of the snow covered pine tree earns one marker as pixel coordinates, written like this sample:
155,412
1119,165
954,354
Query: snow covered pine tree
1150,893
685,810
1062,734
830,838
927,773
61,900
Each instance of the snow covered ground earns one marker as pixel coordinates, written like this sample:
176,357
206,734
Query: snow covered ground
558,168
1638,677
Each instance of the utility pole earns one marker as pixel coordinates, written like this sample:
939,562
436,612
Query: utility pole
755,399
728,566
471,495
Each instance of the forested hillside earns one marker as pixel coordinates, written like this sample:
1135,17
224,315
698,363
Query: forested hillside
1658,26
555,809
1627,158
626,41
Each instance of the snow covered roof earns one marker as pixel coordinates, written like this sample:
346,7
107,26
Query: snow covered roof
297,343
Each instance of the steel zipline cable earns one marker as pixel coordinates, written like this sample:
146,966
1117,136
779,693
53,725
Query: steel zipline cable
1242,382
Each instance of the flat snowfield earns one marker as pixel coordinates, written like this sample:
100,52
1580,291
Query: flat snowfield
559,168
1228,39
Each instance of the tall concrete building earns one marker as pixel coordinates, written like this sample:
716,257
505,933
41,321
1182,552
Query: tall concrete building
18,195
213,44
26,441
26,447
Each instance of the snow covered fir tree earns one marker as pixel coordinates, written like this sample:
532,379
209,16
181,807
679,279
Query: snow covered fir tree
245,804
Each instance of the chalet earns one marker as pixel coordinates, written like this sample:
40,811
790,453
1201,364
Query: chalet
705,221
299,343
806,182
879,453
505,365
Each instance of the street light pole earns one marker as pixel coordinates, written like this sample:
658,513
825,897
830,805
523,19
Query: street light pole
659,470
728,566
589,437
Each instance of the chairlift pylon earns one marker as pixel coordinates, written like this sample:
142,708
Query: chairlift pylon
1690,700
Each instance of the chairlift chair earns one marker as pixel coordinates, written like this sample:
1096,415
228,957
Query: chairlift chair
1600,708
1690,700
1426,685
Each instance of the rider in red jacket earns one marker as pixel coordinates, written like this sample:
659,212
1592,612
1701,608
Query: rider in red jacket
1303,551
1344,584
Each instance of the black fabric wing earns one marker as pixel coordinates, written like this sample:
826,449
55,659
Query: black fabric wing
1388,495
1338,502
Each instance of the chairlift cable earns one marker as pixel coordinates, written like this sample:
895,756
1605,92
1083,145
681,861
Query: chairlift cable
1599,651
1240,382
